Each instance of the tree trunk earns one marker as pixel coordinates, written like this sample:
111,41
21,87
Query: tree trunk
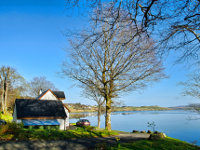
108,114
6,97
2,101
99,116
2,97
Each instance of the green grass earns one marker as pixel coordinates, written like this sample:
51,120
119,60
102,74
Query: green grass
12,131
162,144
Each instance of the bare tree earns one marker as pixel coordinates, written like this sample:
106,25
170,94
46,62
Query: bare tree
94,95
40,83
9,79
118,67
192,86
177,23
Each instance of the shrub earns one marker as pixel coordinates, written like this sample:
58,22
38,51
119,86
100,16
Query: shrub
10,128
10,131
6,117
3,129
157,136
135,131
149,131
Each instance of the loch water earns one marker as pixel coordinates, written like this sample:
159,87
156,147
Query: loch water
180,124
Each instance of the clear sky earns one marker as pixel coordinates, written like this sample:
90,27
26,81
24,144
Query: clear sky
32,41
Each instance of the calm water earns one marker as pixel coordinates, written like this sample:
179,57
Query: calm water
180,124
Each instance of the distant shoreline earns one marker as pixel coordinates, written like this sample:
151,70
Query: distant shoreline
131,108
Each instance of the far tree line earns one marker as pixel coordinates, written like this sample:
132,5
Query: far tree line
13,85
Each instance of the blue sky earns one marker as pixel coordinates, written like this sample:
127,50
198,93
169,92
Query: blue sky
32,41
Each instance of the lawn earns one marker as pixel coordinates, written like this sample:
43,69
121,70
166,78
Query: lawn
12,131
162,144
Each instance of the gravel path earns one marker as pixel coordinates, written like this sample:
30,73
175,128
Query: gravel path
72,144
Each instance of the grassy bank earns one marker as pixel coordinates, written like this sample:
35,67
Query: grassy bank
12,131
162,144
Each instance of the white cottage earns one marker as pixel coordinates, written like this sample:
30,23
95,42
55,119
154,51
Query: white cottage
46,110
51,95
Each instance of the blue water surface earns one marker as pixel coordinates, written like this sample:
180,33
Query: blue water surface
180,124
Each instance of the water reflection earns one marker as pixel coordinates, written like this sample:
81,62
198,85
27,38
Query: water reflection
122,113
128,113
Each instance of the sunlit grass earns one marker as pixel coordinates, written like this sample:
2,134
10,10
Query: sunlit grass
162,144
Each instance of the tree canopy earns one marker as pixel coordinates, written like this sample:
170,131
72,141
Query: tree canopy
40,83
105,63
12,85
174,24
192,86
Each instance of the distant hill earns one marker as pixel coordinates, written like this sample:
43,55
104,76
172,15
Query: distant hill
187,107
141,108
78,107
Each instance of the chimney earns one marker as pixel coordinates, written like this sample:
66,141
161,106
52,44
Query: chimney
40,91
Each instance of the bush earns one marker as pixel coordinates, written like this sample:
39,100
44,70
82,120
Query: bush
135,131
3,129
157,136
10,130
149,131
6,117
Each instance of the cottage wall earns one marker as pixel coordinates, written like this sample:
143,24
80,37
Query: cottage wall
63,123
15,116
48,96
67,119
